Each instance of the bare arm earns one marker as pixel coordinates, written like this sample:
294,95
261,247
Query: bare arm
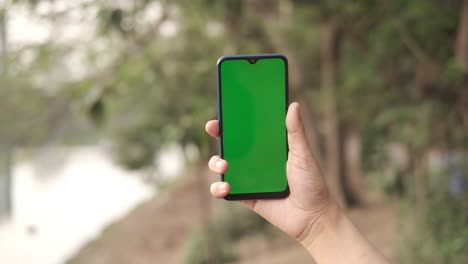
333,238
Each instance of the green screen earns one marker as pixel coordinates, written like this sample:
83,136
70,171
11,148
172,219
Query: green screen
252,114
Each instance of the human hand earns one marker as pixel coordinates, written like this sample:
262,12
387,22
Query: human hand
309,198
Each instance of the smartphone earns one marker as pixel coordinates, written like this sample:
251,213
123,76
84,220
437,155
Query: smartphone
252,106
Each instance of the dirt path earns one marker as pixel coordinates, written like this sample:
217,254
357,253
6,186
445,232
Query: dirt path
152,233
155,233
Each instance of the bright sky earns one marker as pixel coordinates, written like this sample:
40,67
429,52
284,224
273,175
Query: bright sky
26,26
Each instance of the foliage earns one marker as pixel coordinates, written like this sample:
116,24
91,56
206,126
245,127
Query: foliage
196,252
439,234
234,224
159,95
31,114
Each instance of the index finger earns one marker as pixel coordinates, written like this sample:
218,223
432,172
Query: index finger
212,128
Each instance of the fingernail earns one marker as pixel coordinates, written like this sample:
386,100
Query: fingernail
222,187
219,164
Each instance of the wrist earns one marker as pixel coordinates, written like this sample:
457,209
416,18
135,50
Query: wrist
332,238
327,222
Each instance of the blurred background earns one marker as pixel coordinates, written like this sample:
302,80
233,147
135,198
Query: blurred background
103,105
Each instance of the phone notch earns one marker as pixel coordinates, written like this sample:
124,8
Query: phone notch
252,60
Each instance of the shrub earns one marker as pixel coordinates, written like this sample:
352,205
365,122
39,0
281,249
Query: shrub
233,224
439,232
195,251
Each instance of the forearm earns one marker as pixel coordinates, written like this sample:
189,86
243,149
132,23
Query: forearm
333,238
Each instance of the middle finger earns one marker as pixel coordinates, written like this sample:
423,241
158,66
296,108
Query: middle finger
217,164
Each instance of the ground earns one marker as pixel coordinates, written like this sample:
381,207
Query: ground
155,232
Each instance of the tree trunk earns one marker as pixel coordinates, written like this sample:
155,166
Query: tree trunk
462,38
255,11
201,172
5,182
206,215
329,63
5,150
420,180
461,53
354,183
3,42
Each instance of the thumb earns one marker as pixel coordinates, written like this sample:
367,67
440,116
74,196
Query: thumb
297,140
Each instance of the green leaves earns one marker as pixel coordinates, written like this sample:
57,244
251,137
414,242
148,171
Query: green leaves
111,19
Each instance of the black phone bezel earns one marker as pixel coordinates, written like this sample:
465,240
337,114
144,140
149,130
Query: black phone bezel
251,58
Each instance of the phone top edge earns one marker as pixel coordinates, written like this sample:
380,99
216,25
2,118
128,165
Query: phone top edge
248,56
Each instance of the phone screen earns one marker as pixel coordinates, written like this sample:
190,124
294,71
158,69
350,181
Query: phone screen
252,105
